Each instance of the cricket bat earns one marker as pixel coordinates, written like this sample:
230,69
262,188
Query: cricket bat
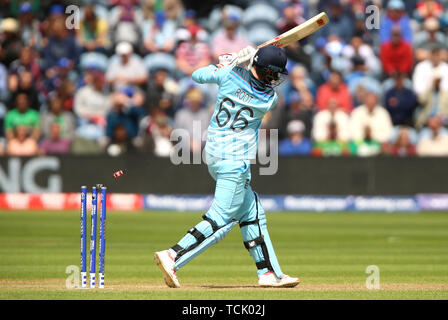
301,31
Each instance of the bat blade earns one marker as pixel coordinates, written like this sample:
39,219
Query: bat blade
301,31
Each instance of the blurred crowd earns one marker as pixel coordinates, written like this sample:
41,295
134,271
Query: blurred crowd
115,76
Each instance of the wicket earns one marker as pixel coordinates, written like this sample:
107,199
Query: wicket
102,237
93,236
83,236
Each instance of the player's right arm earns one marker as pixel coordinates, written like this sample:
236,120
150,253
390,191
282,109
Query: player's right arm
211,74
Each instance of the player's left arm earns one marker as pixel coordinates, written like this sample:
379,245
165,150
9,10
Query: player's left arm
215,73
211,74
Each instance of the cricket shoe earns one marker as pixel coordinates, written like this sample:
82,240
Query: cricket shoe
165,260
269,279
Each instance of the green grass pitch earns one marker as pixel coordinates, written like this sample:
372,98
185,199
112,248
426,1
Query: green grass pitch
329,252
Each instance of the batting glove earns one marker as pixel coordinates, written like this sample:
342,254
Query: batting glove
246,55
228,59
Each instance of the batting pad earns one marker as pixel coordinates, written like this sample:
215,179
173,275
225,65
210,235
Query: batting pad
251,232
212,238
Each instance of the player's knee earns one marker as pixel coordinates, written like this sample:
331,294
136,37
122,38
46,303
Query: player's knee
205,228
217,208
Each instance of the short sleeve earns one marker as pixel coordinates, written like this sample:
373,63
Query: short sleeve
211,74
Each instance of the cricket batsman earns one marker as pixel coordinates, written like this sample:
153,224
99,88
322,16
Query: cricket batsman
245,96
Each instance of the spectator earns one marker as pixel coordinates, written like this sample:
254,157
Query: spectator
361,31
331,146
357,73
229,39
429,38
25,62
366,147
127,70
331,115
158,33
21,143
321,63
55,143
428,9
160,130
10,43
301,9
296,144
93,31
92,99
301,107
341,25
371,115
297,53
396,55
333,46
160,94
430,81
334,49
334,88
91,105
62,72
120,142
126,112
291,18
401,102
360,84
192,54
56,114
91,69
395,17
22,115
61,44
190,21
436,143
25,84
29,26
402,146
358,48
299,82
194,118
125,19
66,92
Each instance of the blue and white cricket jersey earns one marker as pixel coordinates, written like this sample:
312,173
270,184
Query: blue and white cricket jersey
242,102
